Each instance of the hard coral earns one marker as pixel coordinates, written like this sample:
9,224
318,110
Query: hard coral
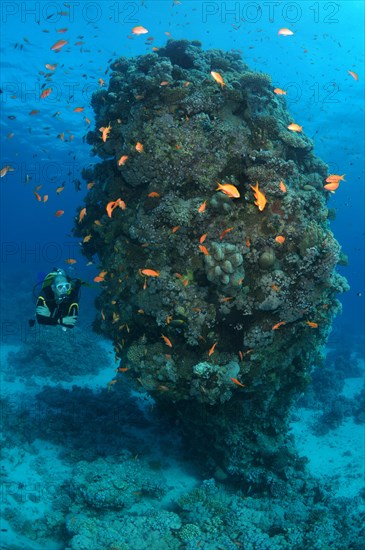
196,133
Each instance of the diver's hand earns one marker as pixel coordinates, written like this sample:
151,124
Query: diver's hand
43,310
69,320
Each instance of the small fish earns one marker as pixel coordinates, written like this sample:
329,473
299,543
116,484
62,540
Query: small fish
86,239
58,45
78,109
311,324
260,201
150,272
105,132
229,190
164,83
204,250
70,261
295,127
354,75
218,78
211,351
5,170
34,112
280,239
113,204
237,382
335,178
46,93
139,30
332,187
60,189
59,213
203,237
282,186
82,214
166,340
139,147
153,194
285,32
123,159
176,228
279,91
248,242
275,287
51,67
281,323
224,233
37,196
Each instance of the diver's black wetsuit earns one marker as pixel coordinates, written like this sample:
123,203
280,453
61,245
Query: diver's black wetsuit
67,307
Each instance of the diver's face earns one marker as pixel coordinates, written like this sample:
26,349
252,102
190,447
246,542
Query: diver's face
61,287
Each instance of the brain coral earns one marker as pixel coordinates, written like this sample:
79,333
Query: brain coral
219,280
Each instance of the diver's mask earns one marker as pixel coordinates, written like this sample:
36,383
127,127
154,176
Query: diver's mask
63,289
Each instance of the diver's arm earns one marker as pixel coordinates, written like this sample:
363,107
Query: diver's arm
69,321
43,313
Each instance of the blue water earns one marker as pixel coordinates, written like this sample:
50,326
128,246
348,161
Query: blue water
312,65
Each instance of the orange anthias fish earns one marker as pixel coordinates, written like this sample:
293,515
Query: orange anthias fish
218,78
105,132
282,186
224,233
202,207
354,75
78,109
285,32
101,277
311,324
280,239
275,327
123,159
279,91
228,189
45,93
150,272
295,127
204,250
203,237
332,187
59,44
235,381
259,196
113,204
5,170
166,340
59,213
82,214
139,147
70,261
139,30
211,351
335,178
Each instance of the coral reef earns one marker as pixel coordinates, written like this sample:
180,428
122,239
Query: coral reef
241,299
57,354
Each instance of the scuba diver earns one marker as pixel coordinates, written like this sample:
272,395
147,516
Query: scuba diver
58,302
